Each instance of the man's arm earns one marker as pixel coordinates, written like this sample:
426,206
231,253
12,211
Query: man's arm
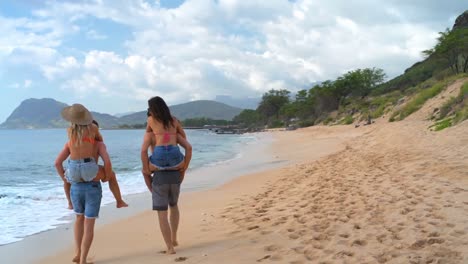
148,126
179,129
145,160
62,156
98,135
102,152
188,153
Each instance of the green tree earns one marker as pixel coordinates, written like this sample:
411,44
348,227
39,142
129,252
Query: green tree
272,102
452,45
247,118
359,82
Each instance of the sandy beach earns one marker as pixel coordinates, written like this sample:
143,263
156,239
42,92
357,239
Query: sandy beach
382,193
385,193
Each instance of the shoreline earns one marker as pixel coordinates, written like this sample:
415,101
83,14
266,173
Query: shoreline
337,194
115,243
200,179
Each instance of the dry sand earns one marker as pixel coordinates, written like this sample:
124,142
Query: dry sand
384,193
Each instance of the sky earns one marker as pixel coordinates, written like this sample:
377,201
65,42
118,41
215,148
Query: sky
113,55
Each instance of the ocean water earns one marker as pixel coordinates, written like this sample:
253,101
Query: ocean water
32,199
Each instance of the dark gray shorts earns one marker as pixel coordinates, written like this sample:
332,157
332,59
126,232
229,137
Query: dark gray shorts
166,189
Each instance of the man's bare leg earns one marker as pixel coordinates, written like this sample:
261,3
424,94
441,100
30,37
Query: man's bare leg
79,229
88,236
166,231
174,217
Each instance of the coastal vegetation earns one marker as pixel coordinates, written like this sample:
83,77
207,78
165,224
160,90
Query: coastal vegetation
454,110
362,95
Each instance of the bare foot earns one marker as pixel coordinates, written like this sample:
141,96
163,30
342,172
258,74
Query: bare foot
121,204
170,251
175,243
76,259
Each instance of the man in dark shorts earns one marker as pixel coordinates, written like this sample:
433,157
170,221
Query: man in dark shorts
165,188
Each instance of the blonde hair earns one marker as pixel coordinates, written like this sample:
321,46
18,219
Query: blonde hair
75,133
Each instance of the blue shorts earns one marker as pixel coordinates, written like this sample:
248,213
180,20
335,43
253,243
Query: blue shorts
86,198
166,157
83,170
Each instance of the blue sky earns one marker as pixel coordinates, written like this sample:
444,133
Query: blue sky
113,55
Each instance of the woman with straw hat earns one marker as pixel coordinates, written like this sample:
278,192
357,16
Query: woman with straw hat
83,174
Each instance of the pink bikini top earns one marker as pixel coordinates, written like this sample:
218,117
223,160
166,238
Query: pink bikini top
166,136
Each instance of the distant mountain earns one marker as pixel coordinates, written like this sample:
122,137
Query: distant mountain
244,103
124,114
36,113
195,109
45,113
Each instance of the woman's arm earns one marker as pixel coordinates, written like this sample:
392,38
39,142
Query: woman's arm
62,156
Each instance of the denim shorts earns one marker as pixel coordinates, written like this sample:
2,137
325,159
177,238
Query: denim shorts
83,170
166,157
86,198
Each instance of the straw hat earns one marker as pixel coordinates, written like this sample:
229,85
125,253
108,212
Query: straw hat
77,114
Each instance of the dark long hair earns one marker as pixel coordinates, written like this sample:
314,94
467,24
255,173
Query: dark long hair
159,110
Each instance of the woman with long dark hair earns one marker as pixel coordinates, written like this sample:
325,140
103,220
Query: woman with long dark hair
166,153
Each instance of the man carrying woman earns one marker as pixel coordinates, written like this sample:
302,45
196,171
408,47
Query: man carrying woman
167,164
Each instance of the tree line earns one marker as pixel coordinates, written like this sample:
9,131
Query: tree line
309,106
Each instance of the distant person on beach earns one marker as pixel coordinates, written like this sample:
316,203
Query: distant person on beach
83,174
102,173
165,183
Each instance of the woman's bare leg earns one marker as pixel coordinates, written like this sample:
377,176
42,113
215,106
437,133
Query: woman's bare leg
113,186
66,187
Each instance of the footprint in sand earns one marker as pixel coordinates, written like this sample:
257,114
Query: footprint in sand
359,242
344,253
344,235
264,258
271,248
294,236
180,259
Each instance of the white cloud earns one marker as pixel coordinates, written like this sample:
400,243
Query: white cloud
232,47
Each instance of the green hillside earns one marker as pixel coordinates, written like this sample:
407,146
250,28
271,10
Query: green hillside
362,95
